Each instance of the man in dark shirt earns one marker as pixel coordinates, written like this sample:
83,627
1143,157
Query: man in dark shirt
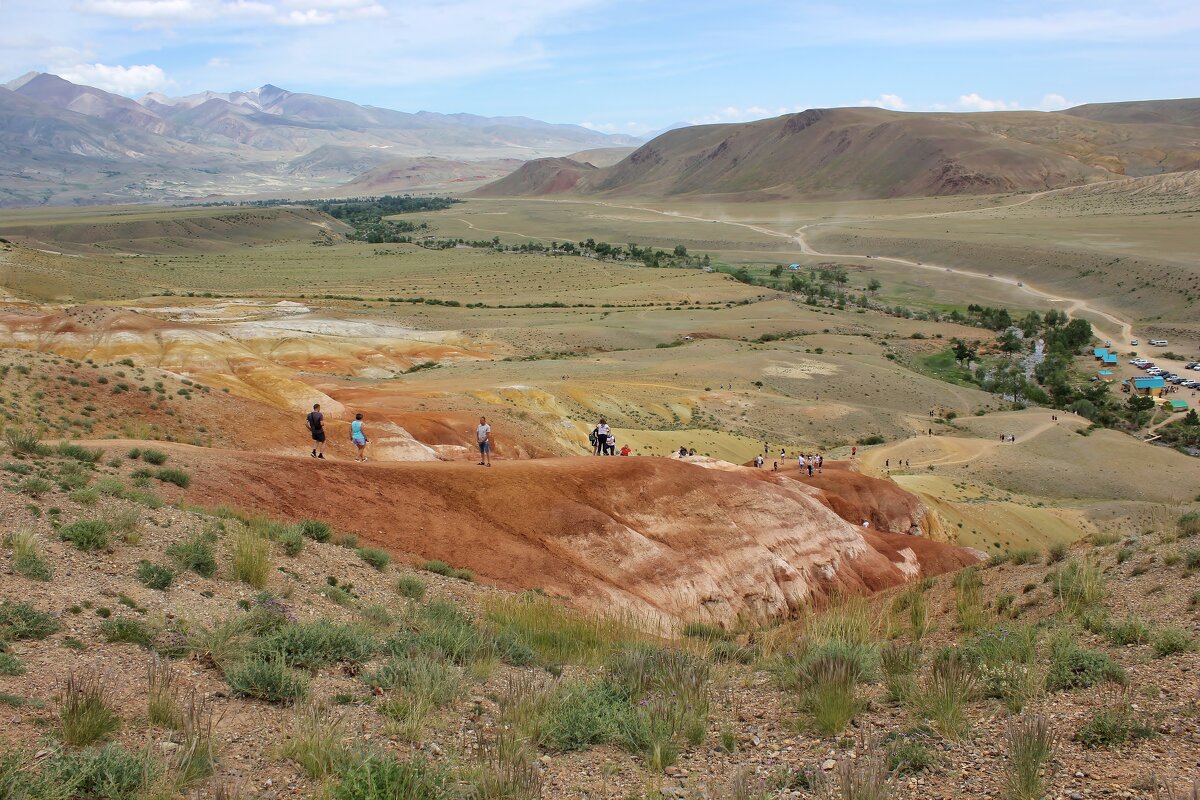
316,426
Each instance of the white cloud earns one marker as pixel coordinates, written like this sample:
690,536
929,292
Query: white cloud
129,81
974,102
216,62
1053,102
892,101
743,114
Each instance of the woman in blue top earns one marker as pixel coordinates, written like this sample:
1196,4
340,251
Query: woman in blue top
359,437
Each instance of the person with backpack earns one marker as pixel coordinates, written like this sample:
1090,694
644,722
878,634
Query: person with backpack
316,428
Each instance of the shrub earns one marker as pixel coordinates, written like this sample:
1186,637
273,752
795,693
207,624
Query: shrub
23,441
316,530
195,554
174,475
437,567
86,534
581,714
1031,744
85,712
123,629
413,588
423,679
34,487
441,631
134,453
85,497
1072,667
292,541
347,540
379,559
1112,725
703,630
10,664
1189,524
380,776
461,574
110,773
79,453
906,755
315,644
22,621
1056,553
155,457
1191,560
251,559
1129,631
968,599
1026,556
27,559
1171,641
154,576
266,678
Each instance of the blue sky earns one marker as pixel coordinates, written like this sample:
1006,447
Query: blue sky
618,65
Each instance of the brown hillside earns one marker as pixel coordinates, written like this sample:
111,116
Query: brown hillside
538,177
1170,112
868,152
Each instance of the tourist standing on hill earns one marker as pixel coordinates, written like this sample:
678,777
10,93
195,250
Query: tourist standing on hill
811,461
316,427
610,445
820,462
483,437
800,462
602,430
625,450
758,462
359,437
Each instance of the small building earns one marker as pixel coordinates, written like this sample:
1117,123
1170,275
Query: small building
1100,353
1175,405
1150,386
1110,360
1106,375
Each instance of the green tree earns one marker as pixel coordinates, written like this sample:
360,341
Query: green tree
680,251
874,285
777,271
1138,407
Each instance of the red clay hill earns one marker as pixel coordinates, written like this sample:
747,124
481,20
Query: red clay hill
655,536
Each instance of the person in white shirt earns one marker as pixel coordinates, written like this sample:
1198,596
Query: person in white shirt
483,436
602,431
800,462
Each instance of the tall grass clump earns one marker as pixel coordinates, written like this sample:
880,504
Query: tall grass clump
1079,585
311,645
250,556
1114,724
947,690
900,663
829,695
558,635
154,576
1031,747
865,777
1171,641
1188,525
85,713
109,772
968,600
315,741
505,769
162,695
27,557
1005,658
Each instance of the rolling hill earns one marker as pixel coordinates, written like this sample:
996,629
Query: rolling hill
62,143
869,153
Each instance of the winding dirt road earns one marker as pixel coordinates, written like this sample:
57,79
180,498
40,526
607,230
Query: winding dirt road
1108,326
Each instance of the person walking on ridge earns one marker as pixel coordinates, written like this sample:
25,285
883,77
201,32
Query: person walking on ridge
483,437
316,428
359,437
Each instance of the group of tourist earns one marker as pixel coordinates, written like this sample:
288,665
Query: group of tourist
358,436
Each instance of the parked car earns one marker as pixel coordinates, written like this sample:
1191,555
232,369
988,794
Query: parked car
1158,342
1133,342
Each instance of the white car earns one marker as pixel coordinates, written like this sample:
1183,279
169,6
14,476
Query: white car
1133,342
1158,342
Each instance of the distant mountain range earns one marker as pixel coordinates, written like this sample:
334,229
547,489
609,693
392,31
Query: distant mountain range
852,153
62,142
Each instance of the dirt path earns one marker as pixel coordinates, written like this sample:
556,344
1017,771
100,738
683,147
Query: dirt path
952,450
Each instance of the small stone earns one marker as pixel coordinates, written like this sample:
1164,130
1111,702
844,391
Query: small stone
434,749
828,764
1076,795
